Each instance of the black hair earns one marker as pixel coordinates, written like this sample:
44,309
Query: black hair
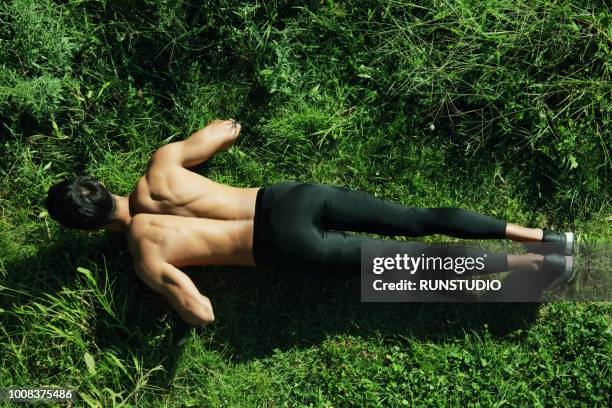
82,203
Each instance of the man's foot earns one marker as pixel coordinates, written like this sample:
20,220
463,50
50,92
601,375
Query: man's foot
564,239
560,267
553,243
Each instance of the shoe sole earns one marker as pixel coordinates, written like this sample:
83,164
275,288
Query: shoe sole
567,275
569,243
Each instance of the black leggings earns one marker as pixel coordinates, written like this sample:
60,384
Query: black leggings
300,225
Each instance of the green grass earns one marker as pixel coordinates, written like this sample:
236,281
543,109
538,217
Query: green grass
340,92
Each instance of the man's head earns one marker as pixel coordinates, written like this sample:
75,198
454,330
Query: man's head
82,203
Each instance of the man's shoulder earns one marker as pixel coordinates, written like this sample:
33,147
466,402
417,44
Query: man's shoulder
143,237
162,172
168,155
139,230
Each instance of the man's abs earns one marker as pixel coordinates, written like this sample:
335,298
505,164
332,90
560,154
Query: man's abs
185,193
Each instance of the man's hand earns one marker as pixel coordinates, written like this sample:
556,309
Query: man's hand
226,130
179,292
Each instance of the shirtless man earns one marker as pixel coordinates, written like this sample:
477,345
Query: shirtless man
175,217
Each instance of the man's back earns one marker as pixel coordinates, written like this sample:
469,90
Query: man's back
179,191
160,244
169,187
184,241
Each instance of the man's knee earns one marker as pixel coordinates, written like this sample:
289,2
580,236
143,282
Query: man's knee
421,219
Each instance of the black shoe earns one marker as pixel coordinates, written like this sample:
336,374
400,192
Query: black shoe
560,267
553,243
564,239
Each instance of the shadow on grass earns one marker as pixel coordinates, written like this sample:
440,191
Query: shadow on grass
137,325
257,310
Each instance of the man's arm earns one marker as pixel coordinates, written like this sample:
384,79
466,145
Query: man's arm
217,136
184,297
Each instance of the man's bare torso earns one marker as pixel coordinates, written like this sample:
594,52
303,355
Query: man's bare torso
196,221
182,192
192,219
183,241
181,218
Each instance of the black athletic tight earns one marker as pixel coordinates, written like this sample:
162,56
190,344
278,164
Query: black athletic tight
302,226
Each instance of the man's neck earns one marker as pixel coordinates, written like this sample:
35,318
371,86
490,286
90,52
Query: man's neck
123,217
